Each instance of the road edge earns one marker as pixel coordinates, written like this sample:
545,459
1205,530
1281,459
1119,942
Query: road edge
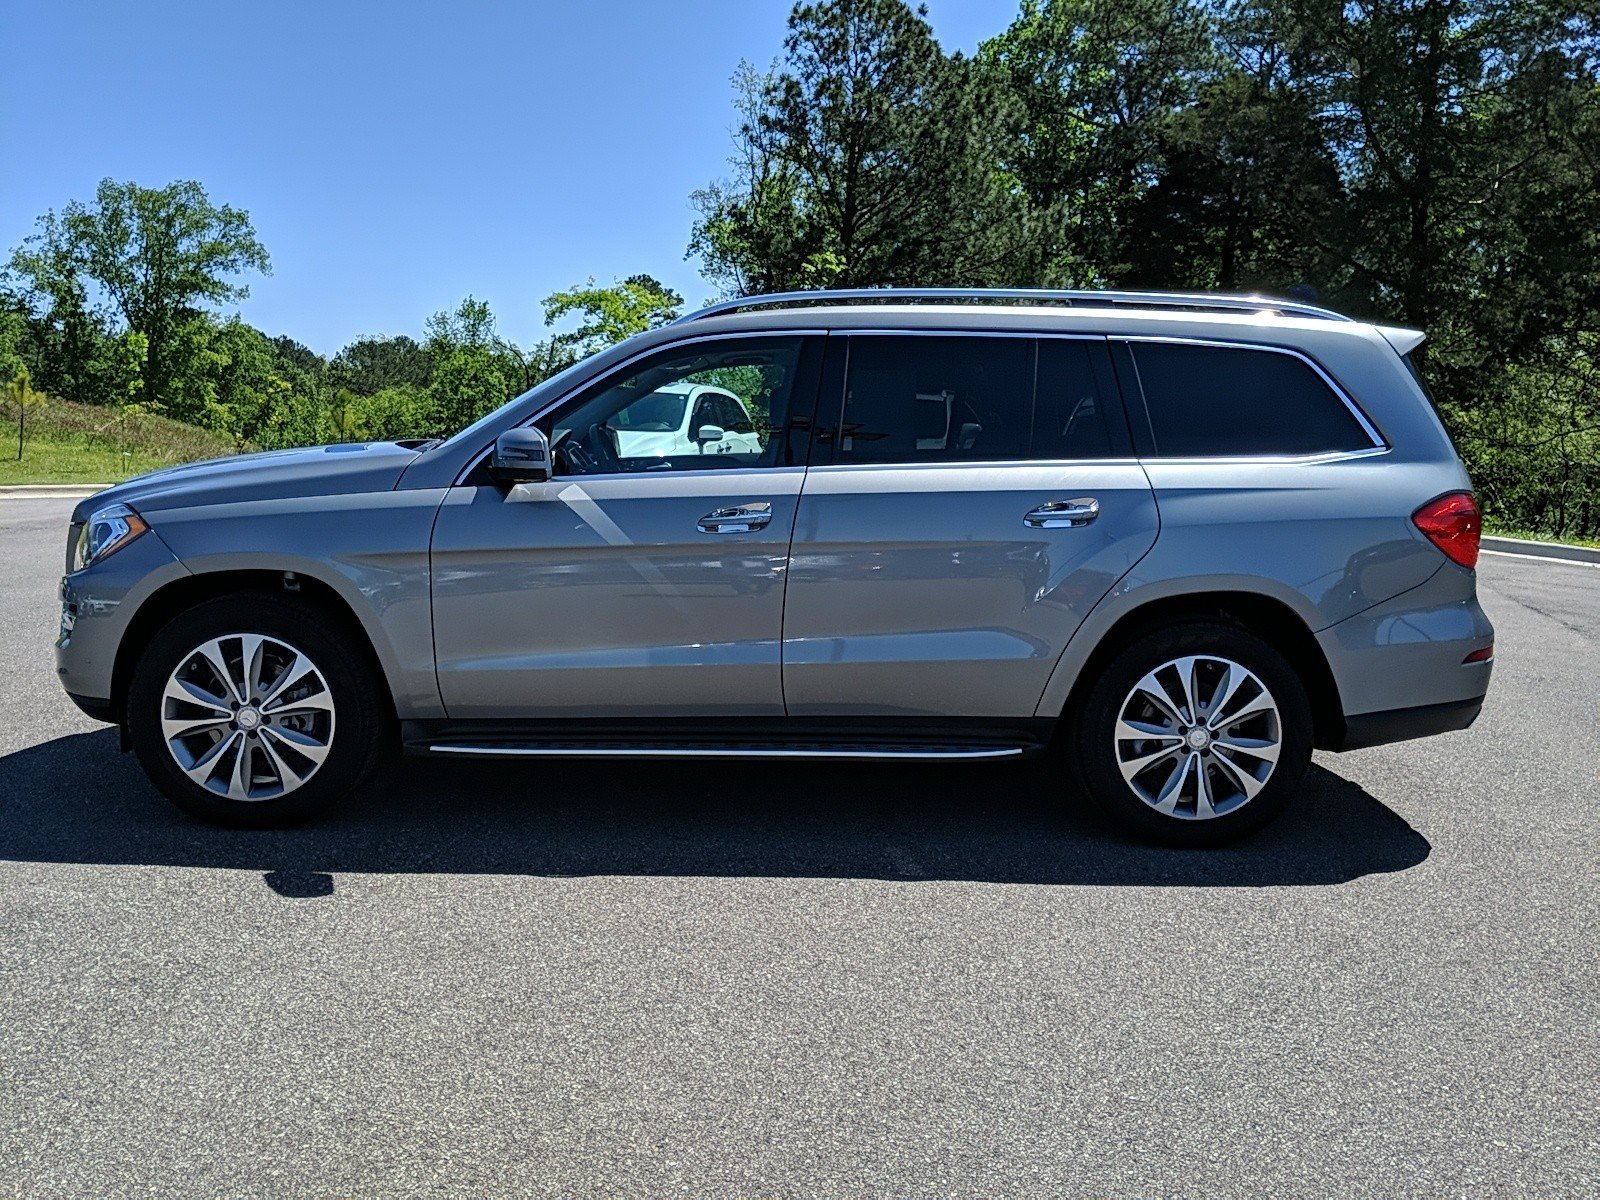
50,491
1530,549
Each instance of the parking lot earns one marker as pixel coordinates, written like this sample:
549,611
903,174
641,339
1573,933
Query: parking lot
770,979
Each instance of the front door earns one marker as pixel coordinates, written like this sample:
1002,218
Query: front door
646,578
981,499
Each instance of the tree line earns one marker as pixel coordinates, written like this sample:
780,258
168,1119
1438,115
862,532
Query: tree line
114,302
1432,163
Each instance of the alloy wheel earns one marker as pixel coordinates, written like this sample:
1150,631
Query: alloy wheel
247,716
1198,737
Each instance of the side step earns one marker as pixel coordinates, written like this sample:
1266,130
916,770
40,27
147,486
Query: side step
846,739
864,752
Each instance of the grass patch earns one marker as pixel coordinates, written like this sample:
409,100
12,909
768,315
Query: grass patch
1494,529
88,443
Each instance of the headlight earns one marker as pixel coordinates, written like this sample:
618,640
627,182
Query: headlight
105,532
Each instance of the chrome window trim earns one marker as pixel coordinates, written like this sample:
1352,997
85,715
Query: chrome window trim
1270,459
477,460
981,463
1124,461
1380,445
1379,442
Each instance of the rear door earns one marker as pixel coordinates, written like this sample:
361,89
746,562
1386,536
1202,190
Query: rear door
980,496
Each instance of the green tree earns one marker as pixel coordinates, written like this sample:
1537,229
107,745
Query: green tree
611,314
474,370
401,411
370,364
13,334
1098,81
242,382
869,157
21,396
1244,172
158,257
1466,130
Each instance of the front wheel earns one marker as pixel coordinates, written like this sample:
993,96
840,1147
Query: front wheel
251,710
1195,735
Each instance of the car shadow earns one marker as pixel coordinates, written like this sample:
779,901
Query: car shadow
76,800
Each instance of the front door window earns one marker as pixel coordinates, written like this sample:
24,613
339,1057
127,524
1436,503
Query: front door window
651,417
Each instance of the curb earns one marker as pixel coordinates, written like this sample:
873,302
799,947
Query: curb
1527,549
50,491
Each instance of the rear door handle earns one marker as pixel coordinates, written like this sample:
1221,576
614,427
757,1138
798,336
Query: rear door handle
741,518
1063,514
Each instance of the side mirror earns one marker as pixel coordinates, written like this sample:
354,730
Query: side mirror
521,456
709,433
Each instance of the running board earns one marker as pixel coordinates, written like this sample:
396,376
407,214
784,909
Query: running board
848,753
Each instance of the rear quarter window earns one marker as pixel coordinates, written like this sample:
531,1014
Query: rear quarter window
1227,401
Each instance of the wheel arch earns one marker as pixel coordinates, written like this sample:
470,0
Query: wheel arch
1255,612
187,591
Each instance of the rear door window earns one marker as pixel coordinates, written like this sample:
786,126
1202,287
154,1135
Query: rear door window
972,398
937,399
1234,401
1077,413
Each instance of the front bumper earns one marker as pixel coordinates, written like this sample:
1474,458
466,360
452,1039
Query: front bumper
97,605
95,710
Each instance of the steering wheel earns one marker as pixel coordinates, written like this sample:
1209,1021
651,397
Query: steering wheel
590,452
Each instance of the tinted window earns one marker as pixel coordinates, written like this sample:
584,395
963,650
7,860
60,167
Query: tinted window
973,398
633,421
1076,410
730,416
1215,401
937,399
659,412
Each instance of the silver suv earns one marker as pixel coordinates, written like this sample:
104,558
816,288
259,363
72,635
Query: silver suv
1178,540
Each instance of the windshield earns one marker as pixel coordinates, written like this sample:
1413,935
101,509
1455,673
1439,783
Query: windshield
659,412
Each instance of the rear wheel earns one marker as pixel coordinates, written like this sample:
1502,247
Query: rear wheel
251,710
1195,735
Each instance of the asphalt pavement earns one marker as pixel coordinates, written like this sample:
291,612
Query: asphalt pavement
769,979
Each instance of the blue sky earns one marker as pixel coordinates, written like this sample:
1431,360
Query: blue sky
397,156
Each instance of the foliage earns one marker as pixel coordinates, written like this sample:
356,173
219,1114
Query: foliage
1535,454
23,400
474,370
1097,82
369,364
636,304
870,157
154,258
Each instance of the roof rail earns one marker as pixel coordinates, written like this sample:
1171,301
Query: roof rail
1149,300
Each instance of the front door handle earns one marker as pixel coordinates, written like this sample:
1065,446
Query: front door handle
1063,514
741,518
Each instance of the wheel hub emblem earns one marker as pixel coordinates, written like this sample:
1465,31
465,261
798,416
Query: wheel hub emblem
248,718
1198,739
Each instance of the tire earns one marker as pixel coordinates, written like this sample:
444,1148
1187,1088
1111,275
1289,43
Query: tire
1238,775
311,741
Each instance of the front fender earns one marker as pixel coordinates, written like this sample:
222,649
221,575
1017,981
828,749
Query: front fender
370,548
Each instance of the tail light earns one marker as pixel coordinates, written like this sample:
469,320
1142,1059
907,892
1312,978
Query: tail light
1453,524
